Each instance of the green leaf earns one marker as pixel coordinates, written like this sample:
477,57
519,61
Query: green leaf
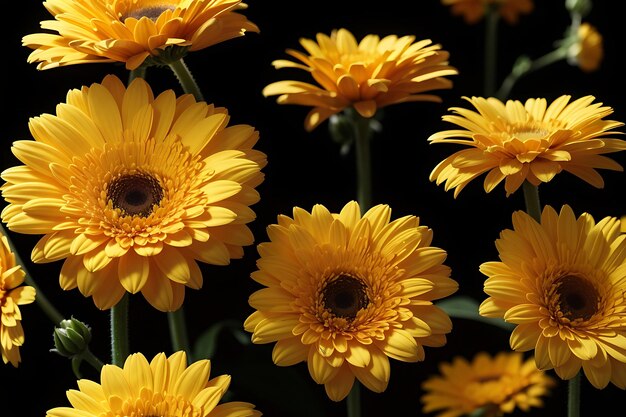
206,344
465,307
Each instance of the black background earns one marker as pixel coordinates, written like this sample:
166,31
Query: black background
305,169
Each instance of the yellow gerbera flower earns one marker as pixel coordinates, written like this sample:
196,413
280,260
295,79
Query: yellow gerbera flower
12,295
130,31
131,190
531,142
164,387
474,10
494,385
347,292
367,75
562,283
587,52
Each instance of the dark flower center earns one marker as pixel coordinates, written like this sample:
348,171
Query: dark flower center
345,296
151,12
578,298
135,194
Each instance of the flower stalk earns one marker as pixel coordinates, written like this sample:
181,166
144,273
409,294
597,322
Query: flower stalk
137,73
525,66
119,332
353,401
178,331
573,396
186,79
363,160
531,199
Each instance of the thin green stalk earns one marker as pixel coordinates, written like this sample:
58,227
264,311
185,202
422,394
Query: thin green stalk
363,161
179,68
40,297
531,198
517,73
119,332
137,73
353,401
92,360
178,331
573,396
492,18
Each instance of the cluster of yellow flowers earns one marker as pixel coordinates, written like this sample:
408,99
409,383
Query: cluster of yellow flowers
133,189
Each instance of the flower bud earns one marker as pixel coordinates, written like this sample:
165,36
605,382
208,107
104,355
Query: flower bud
582,7
71,338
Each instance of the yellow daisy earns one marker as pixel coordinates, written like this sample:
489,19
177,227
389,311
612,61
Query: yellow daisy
164,387
346,292
474,10
562,283
12,295
131,190
131,31
366,75
531,142
492,385
587,52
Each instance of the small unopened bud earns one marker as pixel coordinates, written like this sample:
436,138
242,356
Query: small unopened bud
581,7
341,129
522,65
71,338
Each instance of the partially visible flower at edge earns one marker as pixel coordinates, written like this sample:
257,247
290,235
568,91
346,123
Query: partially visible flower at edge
587,51
532,142
562,283
474,10
12,295
131,190
367,75
495,385
164,387
133,31
345,292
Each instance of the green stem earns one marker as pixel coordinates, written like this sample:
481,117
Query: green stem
178,331
40,297
491,50
119,332
363,161
92,360
179,68
541,62
573,396
137,73
531,198
353,401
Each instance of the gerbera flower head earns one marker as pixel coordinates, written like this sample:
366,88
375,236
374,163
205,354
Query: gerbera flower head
473,11
133,31
164,387
562,283
531,142
495,385
131,190
366,75
345,292
12,295
587,51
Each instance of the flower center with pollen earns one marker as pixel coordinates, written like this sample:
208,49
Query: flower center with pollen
135,194
345,296
150,9
577,298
